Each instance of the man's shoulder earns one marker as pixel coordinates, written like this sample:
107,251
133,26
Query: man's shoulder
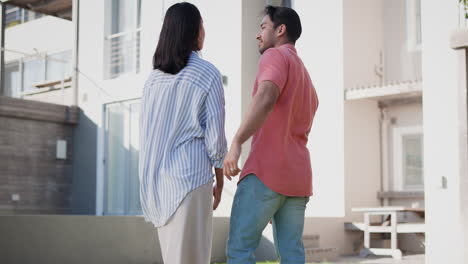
276,55
278,51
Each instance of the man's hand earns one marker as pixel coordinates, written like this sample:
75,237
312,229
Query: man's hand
218,188
232,159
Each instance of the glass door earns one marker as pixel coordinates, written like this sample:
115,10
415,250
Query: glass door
121,184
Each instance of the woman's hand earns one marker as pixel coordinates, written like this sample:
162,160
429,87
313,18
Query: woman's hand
218,188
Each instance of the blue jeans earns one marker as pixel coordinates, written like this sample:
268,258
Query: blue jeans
254,206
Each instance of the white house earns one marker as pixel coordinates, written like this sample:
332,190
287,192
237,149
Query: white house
37,52
373,62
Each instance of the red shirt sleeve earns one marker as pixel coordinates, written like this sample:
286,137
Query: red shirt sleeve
273,67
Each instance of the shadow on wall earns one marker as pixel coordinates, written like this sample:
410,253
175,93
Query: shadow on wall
78,239
83,198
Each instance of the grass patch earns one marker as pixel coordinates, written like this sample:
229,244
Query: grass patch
273,262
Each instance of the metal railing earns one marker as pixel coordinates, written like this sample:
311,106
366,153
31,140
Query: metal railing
122,53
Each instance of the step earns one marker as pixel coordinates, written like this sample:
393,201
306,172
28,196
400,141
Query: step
321,254
311,241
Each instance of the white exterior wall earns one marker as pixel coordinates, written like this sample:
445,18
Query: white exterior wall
358,44
45,34
445,237
363,42
321,49
401,61
362,161
362,175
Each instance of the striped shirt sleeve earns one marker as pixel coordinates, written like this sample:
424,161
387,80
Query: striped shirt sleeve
215,139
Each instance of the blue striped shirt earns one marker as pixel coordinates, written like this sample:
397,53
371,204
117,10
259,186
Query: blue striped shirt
181,136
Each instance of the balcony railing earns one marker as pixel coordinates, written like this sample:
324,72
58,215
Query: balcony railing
122,53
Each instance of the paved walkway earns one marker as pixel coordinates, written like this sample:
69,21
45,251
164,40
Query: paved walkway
407,259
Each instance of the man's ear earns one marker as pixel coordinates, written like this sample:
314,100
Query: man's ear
281,30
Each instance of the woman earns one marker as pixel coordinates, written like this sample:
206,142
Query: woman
182,138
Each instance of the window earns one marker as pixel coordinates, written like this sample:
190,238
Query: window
121,183
412,160
408,159
122,41
12,80
33,72
59,66
16,15
24,74
413,25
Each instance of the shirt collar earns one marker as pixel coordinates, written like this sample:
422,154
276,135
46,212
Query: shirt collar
195,53
289,46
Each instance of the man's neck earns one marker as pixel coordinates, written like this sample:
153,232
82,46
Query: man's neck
283,42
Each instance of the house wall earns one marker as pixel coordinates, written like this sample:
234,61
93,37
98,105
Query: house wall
362,46
86,239
57,96
358,36
401,62
445,237
28,165
362,42
320,48
47,33
362,177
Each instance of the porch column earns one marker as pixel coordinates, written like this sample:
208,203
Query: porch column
2,46
444,110
459,42
75,20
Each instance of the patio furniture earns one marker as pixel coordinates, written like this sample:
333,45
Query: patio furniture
390,225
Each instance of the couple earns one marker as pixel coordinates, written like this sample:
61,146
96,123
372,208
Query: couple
182,138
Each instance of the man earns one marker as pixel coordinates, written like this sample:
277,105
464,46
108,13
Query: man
276,181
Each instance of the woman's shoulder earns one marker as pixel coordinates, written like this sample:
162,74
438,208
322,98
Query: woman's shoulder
203,66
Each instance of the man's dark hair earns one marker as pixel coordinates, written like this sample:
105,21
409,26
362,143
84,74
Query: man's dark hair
178,38
287,16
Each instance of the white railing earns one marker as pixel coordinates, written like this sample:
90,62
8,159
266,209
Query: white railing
122,53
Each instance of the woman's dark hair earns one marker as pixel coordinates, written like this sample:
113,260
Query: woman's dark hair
288,17
178,38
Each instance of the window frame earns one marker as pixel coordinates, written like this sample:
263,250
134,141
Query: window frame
15,64
412,26
135,41
68,64
40,56
398,155
102,191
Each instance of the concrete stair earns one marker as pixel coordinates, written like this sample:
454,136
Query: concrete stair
315,253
